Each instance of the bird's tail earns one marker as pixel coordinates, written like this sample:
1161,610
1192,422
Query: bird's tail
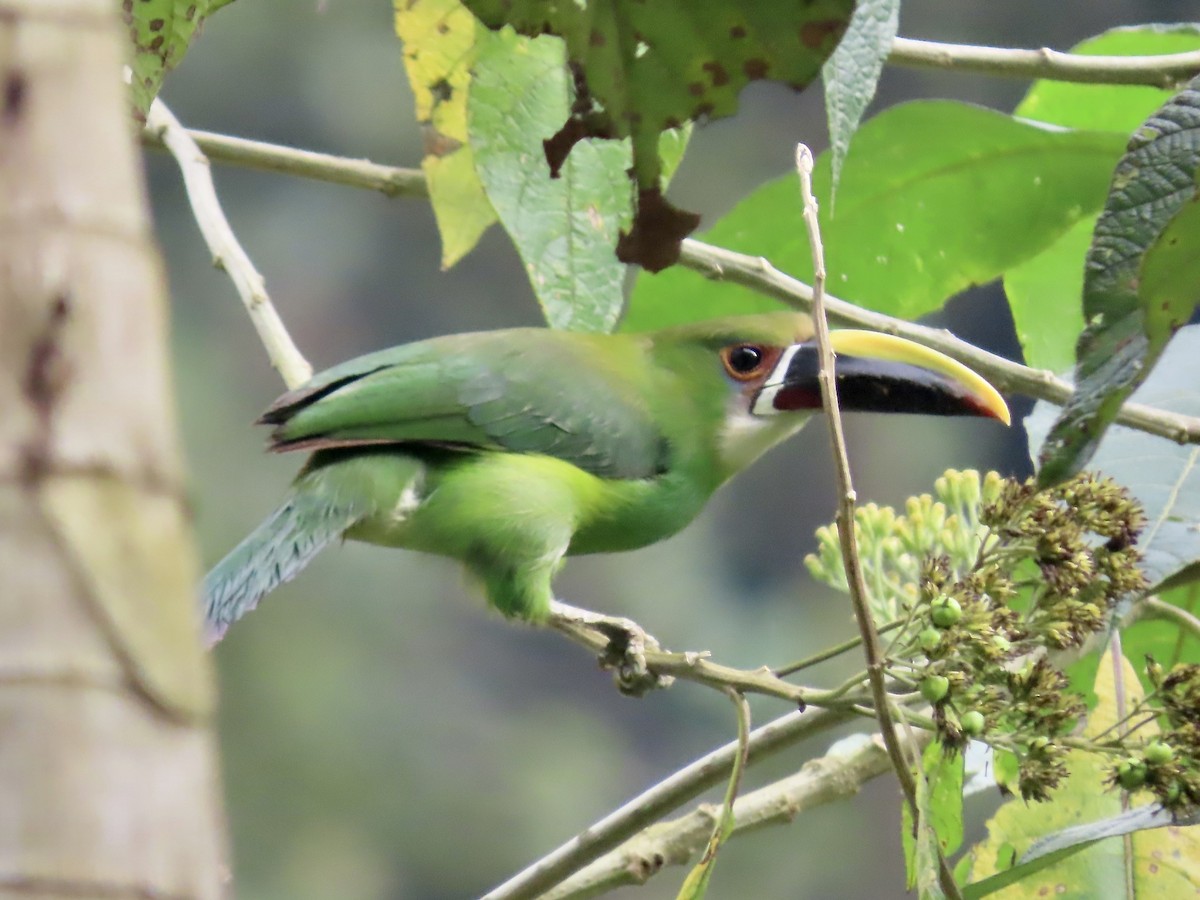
270,555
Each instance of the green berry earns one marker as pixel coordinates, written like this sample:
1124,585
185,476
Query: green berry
934,688
1158,754
973,723
929,639
946,612
1131,774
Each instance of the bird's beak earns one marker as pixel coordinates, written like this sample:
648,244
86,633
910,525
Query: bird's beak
879,373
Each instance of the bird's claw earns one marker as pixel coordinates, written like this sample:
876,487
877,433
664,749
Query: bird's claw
625,653
626,656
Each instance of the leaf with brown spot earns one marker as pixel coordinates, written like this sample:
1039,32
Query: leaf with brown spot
651,66
441,42
160,31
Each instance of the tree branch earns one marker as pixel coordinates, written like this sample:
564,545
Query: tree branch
717,264
820,781
697,667
1169,70
872,651
227,253
1161,609
671,793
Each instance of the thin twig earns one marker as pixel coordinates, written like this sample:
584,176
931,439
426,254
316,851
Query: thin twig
820,781
1161,609
718,264
696,666
1166,71
227,253
876,675
829,652
669,794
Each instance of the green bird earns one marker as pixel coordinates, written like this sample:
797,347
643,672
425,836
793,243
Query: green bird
511,450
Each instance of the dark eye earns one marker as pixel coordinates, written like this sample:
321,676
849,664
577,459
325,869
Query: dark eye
743,360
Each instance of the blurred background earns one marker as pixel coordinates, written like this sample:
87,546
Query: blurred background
385,736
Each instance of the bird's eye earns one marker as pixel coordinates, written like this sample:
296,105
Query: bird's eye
743,361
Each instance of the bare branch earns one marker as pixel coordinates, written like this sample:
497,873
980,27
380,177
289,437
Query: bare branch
671,793
872,651
820,781
1161,609
1166,71
696,666
227,253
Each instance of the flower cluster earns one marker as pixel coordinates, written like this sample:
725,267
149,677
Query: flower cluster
1168,766
986,580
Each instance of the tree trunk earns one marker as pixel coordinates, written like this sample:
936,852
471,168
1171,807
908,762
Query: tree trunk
108,776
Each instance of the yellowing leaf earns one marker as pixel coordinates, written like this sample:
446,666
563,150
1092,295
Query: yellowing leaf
441,40
1163,862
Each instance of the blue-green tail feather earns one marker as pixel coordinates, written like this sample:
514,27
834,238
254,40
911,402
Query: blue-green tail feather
271,555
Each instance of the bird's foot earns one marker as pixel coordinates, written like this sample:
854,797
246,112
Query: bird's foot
625,653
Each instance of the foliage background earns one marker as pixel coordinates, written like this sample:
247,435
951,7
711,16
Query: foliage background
383,735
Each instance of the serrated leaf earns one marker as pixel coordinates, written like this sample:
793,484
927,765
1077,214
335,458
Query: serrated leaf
1164,863
644,68
1153,182
1109,107
936,197
441,40
852,74
160,31
1162,475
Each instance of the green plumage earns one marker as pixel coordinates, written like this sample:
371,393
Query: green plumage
509,450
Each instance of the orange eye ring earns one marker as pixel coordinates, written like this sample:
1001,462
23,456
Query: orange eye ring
746,362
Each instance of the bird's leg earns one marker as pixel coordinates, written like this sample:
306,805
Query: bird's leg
626,650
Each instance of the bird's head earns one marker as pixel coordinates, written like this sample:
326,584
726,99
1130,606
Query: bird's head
768,365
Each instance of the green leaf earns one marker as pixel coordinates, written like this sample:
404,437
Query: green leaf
1163,475
852,73
1045,295
1164,862
1169,284
936,197
161,31
564,229
441,40
940,801
1153,183
1105,107
645,68
1005,767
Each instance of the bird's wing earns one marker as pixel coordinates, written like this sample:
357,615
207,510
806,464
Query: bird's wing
522,390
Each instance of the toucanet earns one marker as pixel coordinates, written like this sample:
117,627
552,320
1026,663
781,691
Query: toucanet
511,450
